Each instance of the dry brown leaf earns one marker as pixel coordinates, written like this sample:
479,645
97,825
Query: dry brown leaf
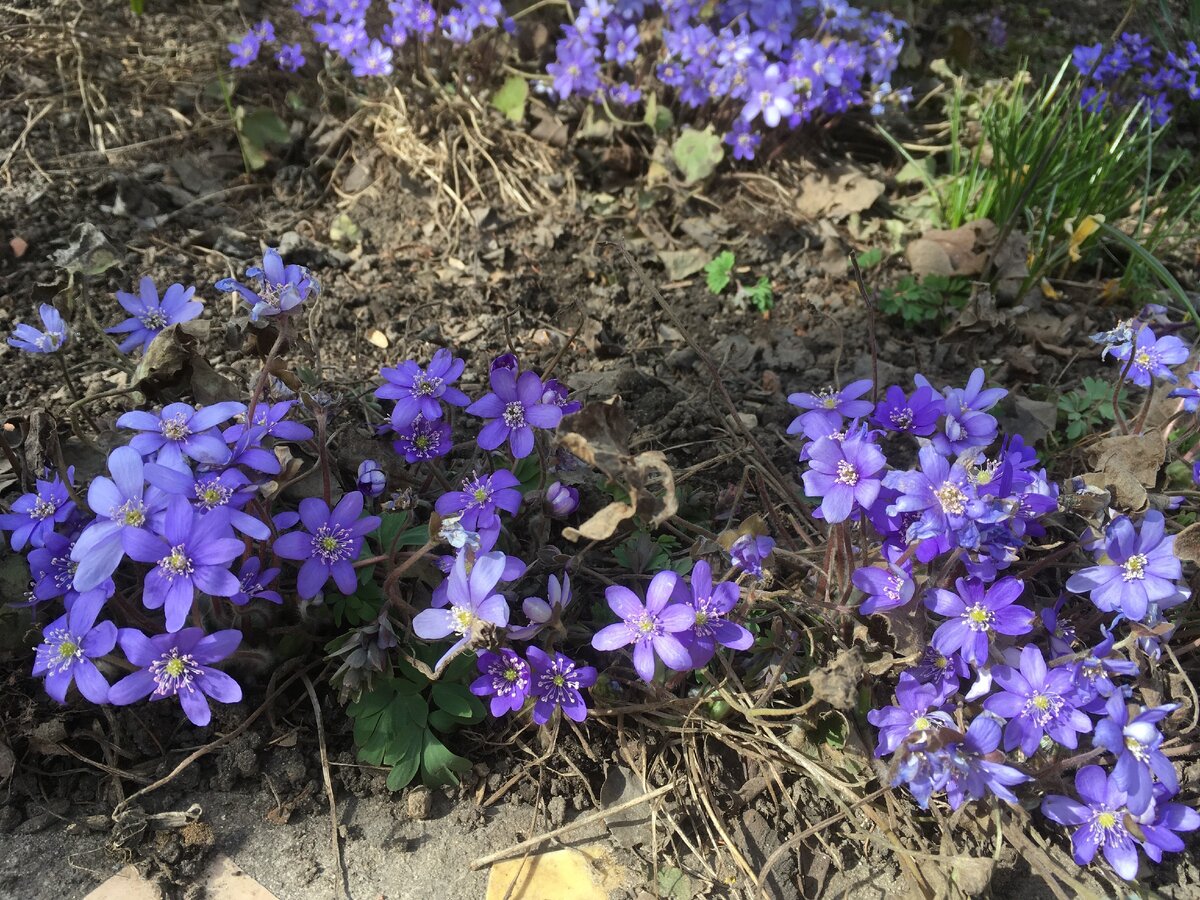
174,367
837,683
1141,455
599,435
837,192
1125,490
1187,544
959,251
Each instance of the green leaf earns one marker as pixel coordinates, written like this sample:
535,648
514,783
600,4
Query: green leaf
439,765
869,259
137,6
761,295
454,699
410,708
657,117
404,771
262,127
697,153
675,884
442,721
390,526
406,743
718,271
510,99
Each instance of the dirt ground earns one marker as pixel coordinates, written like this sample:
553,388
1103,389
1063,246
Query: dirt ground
113,122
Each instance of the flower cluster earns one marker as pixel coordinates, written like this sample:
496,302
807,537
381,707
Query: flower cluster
777,65
1003,681
1135,70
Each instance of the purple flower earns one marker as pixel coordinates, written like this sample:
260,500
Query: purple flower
181,430
69,644
178,665
473,603
252,583
1136,744
652,628
515,407
975,614
561,500
371,479
1152,357
943,671
149,315
1134,569
329,543
844,402
750,551
51,567
264,31
192,552
270,420
281,287
122,505
917,414
245,51
575,69
556,683
968,425
374,59
711,603
843,473
1100,820
555,392
1093,674
887,587
944,496
1037,701
976,767
423,439
1160,822
771,95
479,499
621,41
27,338
922,709
505,679
543,612
229,490
290,58
418,391
34,516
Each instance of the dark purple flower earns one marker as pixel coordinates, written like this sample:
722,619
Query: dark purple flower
976,767
1093,674
743,139
555,392
886,587
419,392
371,479
1134,569
149,315
968,424
542,612
252,583
1136,745
556,683
178,665
290,58
920,711
561,500
975,614
479,499
192,553
917,414
473,600
270,420
944,496
69,644
505,361
653,628
423,439
51,568
229,490
1037,701
515,408
505,678
750,551
329,543
27,338
281,287
181,430
1152,357
843,473
122,505
1160,823
711,603
34,516
944,671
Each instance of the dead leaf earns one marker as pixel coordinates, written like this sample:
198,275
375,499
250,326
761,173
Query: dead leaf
1141,455
377,338
599,435
837,193
837,683
682,263
960,251
174,366
981,317
1089,226
1032,419
1123,489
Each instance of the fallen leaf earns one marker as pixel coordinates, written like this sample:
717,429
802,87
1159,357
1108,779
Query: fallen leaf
1089,226
960,251
1187,543
837,192
837,683
377,338
1141,455
682,263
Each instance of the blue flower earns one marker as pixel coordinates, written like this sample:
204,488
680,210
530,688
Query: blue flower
149,315
27,338
69,644
1136,745
34,515
1134,570
281,287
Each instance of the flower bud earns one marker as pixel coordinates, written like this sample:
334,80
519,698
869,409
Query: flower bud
561,500
371,478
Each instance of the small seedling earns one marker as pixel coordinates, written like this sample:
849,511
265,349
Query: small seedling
1087,408
719,275
924,301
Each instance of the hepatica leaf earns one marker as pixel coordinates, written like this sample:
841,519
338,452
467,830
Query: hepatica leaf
697,154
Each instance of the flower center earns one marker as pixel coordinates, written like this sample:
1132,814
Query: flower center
424,386
464,618
153,319
63,569
68,650
1143,359
480,494
422,441
1134,568
901,418
846,473
514,414
1043,708
131,512
43,509
173,672
212,494
1106,820
951,498
920,723
1137,748
701,619
176,563
175,428
558,680
331,543
60,650
511,674
979,617
645,627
